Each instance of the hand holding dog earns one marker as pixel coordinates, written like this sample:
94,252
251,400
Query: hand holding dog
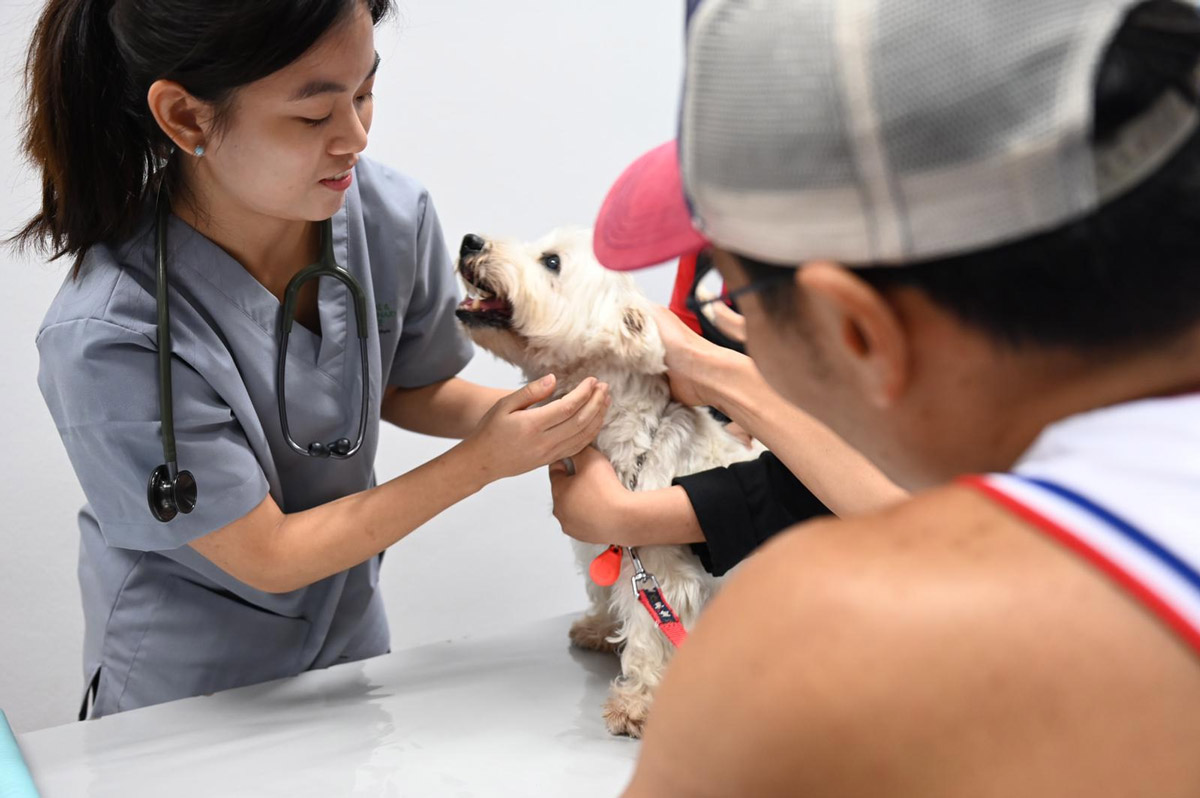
589,504
515,437
691,360
592,506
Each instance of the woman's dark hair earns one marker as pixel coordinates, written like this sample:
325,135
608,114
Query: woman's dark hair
1128,275
91,63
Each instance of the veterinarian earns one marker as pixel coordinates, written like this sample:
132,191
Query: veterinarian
987,221
246,122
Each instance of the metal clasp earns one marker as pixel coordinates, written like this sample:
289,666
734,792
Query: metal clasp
640,574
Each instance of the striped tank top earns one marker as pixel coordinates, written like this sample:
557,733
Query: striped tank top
1120,486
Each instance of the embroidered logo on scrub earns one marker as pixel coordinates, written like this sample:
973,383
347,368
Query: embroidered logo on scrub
385,314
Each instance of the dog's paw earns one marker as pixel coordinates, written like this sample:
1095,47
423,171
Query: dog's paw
626,712
591,632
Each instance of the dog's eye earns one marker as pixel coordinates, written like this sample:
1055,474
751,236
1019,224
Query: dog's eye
551,262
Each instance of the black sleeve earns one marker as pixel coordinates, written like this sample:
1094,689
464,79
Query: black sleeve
741,506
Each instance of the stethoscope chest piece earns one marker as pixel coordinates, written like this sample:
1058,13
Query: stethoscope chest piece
168,497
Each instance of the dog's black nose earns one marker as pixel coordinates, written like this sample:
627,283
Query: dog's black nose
471,244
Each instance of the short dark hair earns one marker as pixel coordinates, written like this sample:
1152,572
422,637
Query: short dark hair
88,127
1125,277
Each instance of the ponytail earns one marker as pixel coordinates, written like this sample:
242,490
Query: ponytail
88,126
86,130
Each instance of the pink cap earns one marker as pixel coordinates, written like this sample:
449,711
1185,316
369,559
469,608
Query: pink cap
645,218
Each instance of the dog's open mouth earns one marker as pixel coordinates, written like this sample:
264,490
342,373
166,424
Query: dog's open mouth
483,308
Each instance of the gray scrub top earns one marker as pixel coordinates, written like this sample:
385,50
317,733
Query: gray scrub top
162,622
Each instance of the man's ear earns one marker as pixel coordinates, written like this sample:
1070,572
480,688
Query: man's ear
861,326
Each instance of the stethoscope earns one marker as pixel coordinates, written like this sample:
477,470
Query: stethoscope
172,491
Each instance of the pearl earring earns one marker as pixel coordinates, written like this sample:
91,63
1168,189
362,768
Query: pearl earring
199,151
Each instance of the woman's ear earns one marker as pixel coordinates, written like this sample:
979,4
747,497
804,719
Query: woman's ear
182,117
860,326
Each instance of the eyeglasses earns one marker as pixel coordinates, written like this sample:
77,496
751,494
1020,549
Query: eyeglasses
695,304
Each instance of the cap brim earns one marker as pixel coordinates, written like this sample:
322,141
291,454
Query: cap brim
645,218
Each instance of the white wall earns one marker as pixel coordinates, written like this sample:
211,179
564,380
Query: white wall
517,115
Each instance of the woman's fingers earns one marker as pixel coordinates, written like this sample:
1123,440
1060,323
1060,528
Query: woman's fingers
516,440
563,408
583,428
531,394
594,405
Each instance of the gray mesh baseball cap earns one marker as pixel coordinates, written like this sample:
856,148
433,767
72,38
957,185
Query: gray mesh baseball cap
893,131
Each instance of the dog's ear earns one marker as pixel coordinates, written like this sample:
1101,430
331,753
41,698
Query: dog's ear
634,320
638,341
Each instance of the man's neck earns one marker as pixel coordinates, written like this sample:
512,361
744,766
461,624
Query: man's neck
992,405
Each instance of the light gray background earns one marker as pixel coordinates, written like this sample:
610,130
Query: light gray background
517,115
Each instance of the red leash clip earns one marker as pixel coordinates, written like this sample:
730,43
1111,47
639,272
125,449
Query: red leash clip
649,594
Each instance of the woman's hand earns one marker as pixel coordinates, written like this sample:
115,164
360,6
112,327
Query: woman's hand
514,437
593,506
591,503
691,360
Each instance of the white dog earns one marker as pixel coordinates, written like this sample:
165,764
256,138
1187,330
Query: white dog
549,307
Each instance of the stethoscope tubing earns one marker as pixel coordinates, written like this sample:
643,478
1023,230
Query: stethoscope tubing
171,491
326,266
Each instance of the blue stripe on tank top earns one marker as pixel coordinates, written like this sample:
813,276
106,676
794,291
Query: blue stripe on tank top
1137,536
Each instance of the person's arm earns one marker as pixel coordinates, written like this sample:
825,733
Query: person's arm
726,513
703,373
278,552
448,409
838,475
741,507
593,506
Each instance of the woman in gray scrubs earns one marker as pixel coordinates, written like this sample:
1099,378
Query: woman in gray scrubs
252,118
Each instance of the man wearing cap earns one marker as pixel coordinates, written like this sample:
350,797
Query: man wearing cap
988,219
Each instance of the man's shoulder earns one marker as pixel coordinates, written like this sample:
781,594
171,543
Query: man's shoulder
953,567
925,647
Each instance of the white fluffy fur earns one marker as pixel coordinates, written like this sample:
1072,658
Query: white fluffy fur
586,321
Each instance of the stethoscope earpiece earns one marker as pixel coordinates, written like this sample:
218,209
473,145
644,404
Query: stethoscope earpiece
169,497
